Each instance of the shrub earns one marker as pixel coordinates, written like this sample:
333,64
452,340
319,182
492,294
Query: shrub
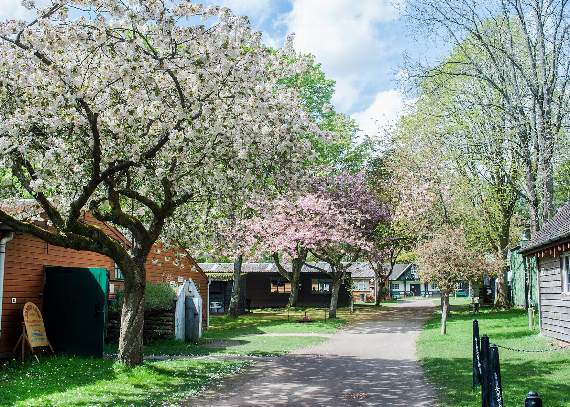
157,296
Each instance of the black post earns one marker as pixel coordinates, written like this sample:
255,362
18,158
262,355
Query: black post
532,400
476,354
485,382
496,388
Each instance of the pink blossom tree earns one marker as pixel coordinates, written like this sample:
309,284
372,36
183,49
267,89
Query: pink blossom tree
334,224
136,111
447,260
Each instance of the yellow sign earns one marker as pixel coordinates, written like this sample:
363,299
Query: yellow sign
35,326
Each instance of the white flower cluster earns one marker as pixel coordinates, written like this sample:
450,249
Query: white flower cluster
185,95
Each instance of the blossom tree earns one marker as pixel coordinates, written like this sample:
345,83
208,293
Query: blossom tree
333,224
135,111
446,260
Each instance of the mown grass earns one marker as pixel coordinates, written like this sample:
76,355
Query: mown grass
447,359
68,381
263,332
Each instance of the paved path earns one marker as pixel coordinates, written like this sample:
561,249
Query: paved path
372,363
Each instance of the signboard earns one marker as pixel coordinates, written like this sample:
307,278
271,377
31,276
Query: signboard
35,326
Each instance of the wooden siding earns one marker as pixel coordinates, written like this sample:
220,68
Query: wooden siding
554,304
165,266
259,295
27,256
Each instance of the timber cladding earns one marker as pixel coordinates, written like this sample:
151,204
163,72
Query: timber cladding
26,258
554,304
24,276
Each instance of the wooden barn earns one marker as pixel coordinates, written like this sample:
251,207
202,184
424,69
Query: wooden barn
60,280
551,248
263,286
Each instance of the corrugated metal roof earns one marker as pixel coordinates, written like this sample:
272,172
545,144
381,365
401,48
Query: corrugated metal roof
225,270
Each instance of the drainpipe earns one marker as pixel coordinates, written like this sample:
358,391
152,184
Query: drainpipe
3,241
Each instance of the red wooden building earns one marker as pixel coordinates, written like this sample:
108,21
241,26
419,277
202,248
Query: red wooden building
26,259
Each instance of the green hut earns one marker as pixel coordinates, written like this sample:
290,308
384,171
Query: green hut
523,278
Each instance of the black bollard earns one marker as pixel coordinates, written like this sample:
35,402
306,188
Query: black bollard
532,400
496,388
485,372
476,354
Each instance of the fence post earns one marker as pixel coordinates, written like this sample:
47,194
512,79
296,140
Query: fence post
485,373
496,388
476,354
533,400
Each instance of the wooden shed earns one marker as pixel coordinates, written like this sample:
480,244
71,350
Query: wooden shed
551,248
26,260
263,286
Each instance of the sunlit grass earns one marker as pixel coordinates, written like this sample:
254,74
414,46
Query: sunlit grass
448,359
68,381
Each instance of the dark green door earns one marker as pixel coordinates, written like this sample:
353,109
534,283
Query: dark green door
75,305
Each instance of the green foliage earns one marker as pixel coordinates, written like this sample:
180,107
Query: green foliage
10,187
315,90
447,359
562,184
157,296
71,381
341,151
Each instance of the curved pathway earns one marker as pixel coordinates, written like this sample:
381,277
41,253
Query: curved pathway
371,363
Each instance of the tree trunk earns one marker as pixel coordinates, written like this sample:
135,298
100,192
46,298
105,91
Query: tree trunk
295,278
334,297
132,319
235,303
444,311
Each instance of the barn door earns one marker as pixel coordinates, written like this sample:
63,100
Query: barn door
75,305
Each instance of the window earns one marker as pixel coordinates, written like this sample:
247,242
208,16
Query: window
395,286
361,285
118,273
565,268
280,286
321,285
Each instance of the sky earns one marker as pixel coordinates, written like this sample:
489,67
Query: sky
361,44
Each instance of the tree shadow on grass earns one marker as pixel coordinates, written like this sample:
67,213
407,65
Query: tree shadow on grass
51,375
454,377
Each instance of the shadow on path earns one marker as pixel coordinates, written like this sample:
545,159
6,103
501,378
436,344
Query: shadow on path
372,363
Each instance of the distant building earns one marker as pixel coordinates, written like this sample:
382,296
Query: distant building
263,286
405,281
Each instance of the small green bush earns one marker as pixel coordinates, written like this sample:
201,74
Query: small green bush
157,296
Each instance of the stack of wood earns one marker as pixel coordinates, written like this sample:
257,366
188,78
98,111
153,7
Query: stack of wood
158,324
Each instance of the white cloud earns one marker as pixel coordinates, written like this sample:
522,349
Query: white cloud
344,36
13,9
382,114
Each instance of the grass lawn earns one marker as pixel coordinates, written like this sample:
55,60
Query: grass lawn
66,381
263,332
447,359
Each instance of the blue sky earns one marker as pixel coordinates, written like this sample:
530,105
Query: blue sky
360,43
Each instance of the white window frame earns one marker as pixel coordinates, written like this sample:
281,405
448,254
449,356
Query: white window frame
395,286
565,270
321,285
119,273
361,285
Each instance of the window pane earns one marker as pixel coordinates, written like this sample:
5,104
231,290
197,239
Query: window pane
280,286
321,286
